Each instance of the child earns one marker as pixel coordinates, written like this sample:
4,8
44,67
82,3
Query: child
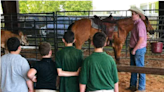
68,61
99,71
45,70
14,69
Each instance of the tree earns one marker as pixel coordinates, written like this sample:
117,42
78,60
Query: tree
53,6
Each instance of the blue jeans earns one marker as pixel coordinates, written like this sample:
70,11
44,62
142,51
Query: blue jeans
138,60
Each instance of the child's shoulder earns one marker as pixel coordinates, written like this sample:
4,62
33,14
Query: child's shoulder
109,56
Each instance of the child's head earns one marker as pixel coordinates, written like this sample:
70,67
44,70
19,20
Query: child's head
13,43
44,48
68,37
99,40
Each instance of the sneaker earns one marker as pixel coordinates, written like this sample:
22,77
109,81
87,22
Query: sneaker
132,88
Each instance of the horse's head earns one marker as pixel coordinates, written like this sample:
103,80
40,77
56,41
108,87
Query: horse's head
117,44
117,51
149,27
23,39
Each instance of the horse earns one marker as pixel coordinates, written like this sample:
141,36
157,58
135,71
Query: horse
5,35
115,29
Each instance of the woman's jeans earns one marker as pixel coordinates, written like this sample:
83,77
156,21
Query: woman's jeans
138,60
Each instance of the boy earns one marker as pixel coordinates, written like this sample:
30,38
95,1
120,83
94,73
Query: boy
14,69
45,70
68,62
99,71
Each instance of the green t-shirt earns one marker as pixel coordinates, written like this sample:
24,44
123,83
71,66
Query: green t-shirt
69,59
99,72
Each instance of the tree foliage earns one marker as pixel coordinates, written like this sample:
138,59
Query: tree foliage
53,6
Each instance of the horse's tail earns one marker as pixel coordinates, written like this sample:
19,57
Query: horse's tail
70,27
70,30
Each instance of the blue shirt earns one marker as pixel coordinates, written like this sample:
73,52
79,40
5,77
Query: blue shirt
14,70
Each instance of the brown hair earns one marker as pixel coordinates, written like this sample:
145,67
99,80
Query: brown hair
44,48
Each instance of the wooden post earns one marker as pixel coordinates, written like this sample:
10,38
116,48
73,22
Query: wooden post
10,11
146,70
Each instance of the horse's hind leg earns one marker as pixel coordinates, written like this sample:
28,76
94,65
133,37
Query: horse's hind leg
80,40
78,44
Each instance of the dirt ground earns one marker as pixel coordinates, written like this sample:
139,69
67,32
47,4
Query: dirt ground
154,83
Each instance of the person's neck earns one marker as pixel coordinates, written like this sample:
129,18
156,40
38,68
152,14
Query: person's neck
68,44
14,52
47,56
137,19
98,49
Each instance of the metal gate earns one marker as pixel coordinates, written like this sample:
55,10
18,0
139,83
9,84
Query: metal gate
50,27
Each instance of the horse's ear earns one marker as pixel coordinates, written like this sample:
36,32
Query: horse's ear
147,20
95,16
110,15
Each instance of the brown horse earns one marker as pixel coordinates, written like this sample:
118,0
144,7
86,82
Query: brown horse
5,35
83,31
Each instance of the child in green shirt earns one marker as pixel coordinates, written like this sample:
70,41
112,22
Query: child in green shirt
68,61
99,71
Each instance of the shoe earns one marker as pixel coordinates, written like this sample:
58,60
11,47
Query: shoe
140,91
132,88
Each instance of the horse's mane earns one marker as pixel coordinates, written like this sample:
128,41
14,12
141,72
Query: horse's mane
111,21
125,21
120,20
147,20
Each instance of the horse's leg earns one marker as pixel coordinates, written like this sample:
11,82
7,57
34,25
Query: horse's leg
80,41
78,45
81,38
